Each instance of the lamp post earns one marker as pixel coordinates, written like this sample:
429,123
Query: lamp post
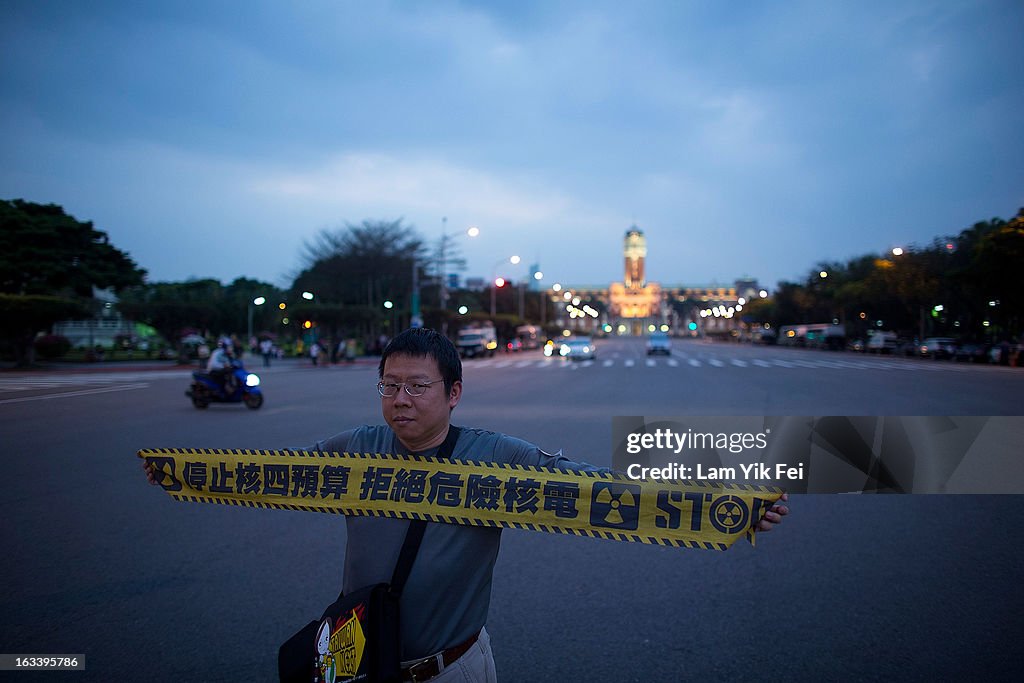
494,281
415,317
258,301
472,231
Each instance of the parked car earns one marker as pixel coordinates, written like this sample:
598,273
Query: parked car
658,342
578,348
938,347
907,347
971,353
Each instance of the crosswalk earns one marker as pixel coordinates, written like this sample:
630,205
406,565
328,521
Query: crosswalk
714,362
20,389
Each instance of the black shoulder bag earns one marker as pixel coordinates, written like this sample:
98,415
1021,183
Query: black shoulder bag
358,637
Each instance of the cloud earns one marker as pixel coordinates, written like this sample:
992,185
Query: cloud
369,179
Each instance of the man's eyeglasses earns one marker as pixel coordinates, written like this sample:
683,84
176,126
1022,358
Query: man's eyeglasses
389,389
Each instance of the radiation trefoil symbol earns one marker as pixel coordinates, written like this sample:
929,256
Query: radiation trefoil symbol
729,514
615,506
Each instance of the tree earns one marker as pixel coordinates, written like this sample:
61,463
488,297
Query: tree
362,266
49,265
207,305
45,251
994,273
24,316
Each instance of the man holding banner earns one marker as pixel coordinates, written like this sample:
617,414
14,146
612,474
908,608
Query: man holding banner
493,481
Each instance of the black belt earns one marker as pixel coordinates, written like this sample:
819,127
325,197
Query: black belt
426,669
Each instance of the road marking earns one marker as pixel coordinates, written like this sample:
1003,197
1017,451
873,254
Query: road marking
847,365
694,362
672,362
763,364
83,392
607,363
739,363
717,363
629,362
650,363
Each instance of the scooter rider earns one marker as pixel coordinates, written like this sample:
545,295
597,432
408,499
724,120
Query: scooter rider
220,367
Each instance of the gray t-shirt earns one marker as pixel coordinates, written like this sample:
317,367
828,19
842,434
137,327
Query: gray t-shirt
446,598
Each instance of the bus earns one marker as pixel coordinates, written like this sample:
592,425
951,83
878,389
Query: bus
814,336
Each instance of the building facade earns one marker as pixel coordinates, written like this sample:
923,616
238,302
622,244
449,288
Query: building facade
636,306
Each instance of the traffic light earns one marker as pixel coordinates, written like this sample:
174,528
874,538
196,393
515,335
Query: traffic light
499,282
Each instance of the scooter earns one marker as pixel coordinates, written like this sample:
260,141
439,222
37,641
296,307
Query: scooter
240,386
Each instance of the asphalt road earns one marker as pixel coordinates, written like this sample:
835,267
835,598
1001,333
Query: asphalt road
849,588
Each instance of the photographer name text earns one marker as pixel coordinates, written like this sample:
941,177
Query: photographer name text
755,471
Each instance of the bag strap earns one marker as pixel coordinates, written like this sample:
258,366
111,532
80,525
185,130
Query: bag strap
414,536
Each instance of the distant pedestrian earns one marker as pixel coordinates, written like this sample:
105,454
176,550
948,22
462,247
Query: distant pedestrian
314,352
266,350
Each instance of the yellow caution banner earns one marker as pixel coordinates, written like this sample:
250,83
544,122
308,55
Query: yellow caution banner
688,514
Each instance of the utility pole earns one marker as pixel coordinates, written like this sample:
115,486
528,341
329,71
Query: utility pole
443,289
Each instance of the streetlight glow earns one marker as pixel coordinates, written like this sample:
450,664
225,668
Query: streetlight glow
473,231
308,296
260,300
897,251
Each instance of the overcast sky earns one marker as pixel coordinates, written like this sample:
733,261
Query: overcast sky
212,139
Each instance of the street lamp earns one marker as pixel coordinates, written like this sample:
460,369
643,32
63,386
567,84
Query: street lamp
472,231
494,279
258,301
415,319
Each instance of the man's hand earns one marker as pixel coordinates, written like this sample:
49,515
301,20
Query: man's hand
149,472
773,516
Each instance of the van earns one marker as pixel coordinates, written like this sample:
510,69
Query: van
882,342
477,341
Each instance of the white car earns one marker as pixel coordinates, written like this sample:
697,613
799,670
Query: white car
578,348
658,342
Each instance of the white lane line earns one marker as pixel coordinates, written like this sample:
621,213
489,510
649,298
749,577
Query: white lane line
629,362
739,363
762,363
68,394
694,362
717,363
650,362
673,363
607,363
